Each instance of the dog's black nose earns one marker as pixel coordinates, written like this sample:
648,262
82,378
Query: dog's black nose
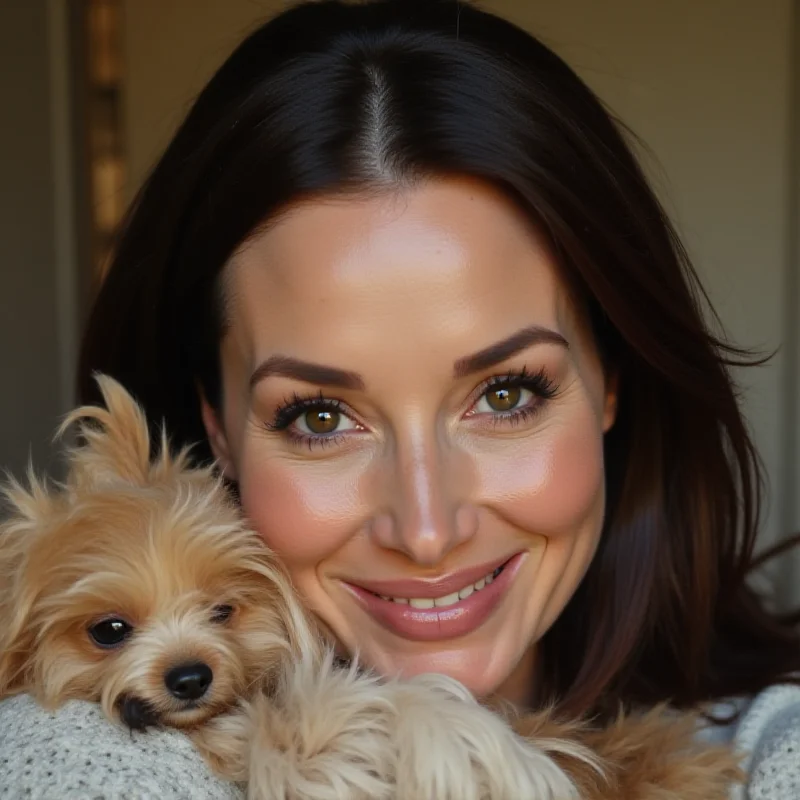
189,681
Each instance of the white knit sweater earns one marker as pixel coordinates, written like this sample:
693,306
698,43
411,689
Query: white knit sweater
75,754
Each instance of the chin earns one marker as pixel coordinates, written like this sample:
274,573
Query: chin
482,669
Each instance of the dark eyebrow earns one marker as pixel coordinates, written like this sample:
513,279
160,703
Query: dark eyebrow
307,372
497,353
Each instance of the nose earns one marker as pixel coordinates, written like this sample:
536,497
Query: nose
189,681
429,513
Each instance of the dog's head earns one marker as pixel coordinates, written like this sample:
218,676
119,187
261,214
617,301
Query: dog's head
137,584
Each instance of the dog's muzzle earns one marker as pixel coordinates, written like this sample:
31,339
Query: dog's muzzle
136,713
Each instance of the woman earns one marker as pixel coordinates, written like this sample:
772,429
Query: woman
400,275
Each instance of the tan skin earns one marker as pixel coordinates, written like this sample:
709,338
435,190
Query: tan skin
419,469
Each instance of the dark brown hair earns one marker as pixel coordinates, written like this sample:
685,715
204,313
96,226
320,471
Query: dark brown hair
337,97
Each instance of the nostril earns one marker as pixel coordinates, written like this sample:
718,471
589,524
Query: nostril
189,681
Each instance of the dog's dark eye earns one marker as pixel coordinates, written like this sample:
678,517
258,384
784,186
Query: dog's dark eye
111,632
221,613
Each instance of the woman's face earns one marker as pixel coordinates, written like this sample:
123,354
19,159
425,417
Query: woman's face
415,416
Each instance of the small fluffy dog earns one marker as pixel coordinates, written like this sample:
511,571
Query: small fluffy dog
137,585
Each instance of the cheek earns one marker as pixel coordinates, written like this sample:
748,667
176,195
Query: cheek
304,512
553,483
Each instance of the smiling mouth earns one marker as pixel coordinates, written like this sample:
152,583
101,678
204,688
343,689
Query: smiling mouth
445,611
448,599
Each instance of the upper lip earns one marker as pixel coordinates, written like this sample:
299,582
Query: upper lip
431,587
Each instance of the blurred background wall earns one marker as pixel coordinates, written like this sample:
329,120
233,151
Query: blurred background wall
91,90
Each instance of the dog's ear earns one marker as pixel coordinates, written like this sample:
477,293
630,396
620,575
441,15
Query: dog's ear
114,442
19,533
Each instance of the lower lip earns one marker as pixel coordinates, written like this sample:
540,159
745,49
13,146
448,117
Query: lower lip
438,624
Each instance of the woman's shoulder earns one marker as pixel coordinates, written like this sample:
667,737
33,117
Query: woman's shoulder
76,752
768,734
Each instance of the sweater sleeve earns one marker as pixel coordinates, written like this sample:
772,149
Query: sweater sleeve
769,738
77,754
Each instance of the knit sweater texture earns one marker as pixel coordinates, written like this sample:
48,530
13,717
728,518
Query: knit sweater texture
77,754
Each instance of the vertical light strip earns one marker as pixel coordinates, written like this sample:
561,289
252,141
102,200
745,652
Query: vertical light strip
104,127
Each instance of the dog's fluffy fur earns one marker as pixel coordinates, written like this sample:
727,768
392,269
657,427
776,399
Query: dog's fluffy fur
161,547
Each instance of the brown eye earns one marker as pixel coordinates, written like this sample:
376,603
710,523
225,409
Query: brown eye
503,398
321,420
110,633
221,613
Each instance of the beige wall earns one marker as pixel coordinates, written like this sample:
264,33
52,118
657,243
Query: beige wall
172,47
705,83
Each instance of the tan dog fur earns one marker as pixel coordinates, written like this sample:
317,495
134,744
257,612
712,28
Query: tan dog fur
161,545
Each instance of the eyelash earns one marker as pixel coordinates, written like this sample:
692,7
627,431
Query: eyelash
293,407
538,384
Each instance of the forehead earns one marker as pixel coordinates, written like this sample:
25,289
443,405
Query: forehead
453,259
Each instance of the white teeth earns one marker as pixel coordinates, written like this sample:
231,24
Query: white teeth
447,600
